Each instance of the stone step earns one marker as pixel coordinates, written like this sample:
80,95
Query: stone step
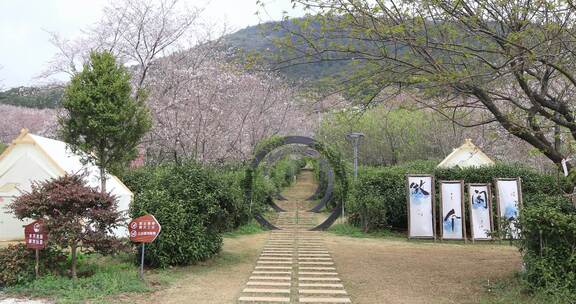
317,268
321,285
318,279
276,254
271,272
277,262
315,258
322,291
270,278
316,263
266,258
265,290
274,267
313,254
324,300
264,299
316,273
278,284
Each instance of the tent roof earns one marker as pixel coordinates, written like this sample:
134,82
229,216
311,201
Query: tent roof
66,161
467,155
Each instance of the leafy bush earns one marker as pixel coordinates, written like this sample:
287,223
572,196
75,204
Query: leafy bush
380,192
195,204
548,225
185,199
17,263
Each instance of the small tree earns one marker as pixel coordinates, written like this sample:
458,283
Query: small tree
75,215
103,118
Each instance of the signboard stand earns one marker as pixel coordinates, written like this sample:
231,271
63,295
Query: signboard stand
144,229
36,238
142,262
37,266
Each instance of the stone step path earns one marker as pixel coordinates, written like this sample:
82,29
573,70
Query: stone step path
295,266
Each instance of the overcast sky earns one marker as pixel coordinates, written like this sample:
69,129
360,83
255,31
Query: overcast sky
25,49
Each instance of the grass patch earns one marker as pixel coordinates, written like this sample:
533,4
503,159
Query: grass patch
352,231
251,228
512,291
111,276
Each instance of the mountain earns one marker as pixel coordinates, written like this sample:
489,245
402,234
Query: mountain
41,97
259,40
242,45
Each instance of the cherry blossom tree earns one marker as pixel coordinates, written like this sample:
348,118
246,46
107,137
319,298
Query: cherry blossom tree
212,111
39,121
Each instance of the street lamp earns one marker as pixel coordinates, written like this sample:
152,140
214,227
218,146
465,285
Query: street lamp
354,137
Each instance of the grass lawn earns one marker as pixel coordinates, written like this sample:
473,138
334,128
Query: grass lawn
511,291
102,277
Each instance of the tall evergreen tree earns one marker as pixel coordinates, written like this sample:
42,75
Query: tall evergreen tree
103,117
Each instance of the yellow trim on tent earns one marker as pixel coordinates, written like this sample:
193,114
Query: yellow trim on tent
8,187
25,138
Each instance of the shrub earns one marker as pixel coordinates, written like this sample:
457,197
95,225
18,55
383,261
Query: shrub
75,214
384,188
185,199
548,244
17,263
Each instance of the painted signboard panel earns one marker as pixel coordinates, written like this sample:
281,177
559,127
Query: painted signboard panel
452,210
480,198
509,200
420,198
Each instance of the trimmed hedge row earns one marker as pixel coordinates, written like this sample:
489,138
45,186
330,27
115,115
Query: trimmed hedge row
548,244
380,192
195,204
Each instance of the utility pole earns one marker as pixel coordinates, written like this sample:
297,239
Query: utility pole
354,137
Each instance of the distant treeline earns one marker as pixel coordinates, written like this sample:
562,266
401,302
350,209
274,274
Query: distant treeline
33,97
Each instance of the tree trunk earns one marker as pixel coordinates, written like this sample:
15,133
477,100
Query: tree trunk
73,249
102,180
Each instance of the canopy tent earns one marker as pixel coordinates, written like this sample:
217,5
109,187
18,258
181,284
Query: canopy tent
32,158
467,155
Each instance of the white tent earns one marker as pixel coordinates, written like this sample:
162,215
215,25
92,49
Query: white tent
467,155
32,158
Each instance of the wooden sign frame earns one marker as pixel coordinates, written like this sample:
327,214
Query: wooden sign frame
432,202
490,213
462,209
497,193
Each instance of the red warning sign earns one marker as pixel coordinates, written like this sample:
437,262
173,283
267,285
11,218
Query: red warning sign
144,229
36,235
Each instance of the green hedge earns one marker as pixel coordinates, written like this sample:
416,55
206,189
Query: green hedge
195,204
548,244
380,192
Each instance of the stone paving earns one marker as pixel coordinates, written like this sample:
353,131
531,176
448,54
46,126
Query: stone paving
295,266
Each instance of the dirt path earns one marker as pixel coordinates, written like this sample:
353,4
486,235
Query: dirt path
295,266
369,271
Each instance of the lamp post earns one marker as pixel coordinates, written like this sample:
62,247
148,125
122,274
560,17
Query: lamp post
354,137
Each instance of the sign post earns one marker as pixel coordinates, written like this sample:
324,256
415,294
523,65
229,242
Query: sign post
36,238
144,229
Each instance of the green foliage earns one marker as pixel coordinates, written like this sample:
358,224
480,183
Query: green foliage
190,204
355,232
3,147
104,277
17,264
548,244
283,172
380,192
195,204
513,290
251,227
73,213
33,97
393,136
102,118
